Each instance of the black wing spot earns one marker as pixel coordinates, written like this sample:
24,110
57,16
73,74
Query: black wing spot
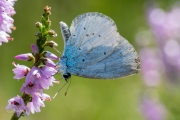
87,35
92,33
84,28
74,35
99,35
79,48
83,60
104,53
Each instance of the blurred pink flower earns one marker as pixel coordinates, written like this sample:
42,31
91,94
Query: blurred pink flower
150,67
160,61
6,22
152,110
165,25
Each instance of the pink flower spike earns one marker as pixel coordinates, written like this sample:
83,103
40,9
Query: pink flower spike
26,57
20,71
35,49
50,55
16,104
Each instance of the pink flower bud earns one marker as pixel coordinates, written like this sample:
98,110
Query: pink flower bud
51,43
39,25
49,63
26,57
35,49
50,55
52,33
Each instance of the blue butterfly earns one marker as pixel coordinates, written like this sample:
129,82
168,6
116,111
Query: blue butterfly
94,49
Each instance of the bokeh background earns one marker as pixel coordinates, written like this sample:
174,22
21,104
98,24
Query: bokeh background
129,98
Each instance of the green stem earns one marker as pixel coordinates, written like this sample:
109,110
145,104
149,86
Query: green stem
14,117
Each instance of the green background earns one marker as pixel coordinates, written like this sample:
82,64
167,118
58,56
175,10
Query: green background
87,99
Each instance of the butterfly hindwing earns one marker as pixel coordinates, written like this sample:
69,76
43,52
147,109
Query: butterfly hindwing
96,50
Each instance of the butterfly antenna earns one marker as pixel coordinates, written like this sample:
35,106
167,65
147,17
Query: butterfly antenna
67,87
59,90
57,50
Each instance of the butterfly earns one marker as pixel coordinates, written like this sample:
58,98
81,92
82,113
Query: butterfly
93,48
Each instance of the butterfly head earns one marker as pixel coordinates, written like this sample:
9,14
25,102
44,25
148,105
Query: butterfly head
66,76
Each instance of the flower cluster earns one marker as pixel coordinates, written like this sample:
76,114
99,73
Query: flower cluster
6,22
161,61
166,31
152,109
40,76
